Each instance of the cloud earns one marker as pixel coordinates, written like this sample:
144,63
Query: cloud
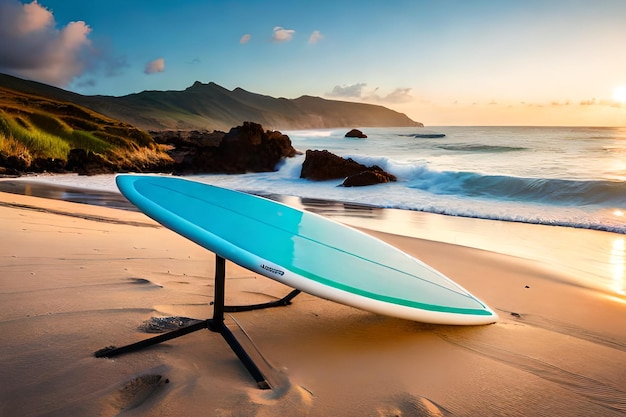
556,103
158,65
245,39
87,83
588,102
32,46
282,35
606,103
399,95
315,37
348,91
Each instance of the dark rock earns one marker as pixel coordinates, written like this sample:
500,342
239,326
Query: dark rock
193,138
324,165
246,148
14,163
88,163
374,175
51,165
356,133
9,173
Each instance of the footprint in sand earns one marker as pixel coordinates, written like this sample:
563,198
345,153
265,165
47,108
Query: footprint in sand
139,281
284,399
136,391
407,405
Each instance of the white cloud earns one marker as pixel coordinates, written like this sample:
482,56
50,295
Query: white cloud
245,39
158,65
352,91
315,37
283,35
31,45
399,95
358,91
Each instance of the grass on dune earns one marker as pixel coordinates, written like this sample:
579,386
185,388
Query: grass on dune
34,141
73,137
33,127
36,127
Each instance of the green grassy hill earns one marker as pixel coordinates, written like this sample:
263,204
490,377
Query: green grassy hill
35,129
212,107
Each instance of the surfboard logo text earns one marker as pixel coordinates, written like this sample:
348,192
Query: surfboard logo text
273,270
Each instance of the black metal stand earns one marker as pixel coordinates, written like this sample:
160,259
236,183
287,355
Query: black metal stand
216,324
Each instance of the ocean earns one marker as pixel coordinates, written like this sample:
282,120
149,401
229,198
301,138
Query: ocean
574,177
552,176
565,176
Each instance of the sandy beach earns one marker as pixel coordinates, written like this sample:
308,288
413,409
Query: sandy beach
75,278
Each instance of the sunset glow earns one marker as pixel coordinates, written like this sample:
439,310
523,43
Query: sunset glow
619,94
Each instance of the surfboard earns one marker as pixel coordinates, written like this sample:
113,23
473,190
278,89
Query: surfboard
305,251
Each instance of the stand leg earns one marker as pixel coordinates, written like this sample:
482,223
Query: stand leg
111,351
285,301
216,324
244,357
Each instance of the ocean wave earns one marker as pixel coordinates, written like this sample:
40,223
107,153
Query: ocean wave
425,135
400,195
551,191
479,148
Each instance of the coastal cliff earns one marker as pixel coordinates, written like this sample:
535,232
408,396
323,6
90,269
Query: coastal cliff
212,107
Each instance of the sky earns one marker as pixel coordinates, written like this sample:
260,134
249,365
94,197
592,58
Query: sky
441,62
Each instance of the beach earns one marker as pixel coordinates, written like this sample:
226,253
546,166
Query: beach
75,278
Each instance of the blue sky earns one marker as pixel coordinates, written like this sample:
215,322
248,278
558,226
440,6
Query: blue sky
446,62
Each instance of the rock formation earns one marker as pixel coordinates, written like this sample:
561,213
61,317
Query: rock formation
88,163
246,148
356,133
324,165
374,175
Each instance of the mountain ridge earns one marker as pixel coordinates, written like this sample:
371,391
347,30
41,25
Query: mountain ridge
209,106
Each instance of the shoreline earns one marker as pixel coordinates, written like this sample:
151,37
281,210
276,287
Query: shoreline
72,282
588,258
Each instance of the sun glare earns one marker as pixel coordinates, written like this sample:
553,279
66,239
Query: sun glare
619,94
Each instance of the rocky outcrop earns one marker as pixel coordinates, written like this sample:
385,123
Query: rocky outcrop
82,162
12,166
356,133
374,175
88,163
51,165
324,165
246,148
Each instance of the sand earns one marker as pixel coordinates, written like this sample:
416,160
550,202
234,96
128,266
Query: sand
76,278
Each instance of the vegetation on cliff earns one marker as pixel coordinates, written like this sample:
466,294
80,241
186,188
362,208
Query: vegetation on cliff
213,107
38,134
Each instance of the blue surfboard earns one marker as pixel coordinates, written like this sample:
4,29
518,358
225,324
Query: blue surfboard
305,251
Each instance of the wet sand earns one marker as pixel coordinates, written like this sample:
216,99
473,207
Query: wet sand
75,278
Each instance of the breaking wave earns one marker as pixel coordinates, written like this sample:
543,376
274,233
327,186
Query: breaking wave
552,191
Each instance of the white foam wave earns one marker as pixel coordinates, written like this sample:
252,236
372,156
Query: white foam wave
418,188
